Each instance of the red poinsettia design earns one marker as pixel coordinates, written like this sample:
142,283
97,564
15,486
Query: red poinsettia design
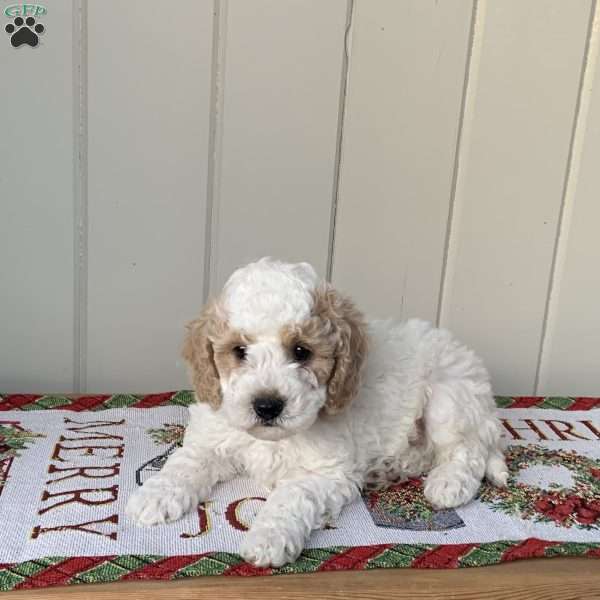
589,512
559,508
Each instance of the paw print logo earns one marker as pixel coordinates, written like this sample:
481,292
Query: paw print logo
24,32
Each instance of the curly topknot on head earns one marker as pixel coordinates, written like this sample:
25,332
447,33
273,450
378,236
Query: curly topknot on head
267,294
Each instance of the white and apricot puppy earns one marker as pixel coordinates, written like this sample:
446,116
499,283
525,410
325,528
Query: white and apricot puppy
297,391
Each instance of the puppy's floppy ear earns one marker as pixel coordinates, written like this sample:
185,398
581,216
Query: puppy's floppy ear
349,328
198,353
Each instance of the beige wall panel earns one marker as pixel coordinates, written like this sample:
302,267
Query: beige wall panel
281,83
36,206
521,103
571,356
407,69
143,158
149,97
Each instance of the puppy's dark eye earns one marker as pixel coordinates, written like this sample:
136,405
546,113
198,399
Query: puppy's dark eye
240,352
301,354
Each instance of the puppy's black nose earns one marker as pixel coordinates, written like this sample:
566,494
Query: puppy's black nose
268,407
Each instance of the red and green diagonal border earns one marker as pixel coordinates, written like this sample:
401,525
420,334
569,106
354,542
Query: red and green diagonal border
103,569
186,397
27,402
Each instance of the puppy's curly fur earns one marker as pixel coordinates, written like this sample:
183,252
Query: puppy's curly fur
296,390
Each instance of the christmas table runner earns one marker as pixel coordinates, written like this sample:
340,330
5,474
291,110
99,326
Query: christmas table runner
69,464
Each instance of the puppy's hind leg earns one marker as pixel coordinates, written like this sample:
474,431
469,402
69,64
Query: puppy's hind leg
465,439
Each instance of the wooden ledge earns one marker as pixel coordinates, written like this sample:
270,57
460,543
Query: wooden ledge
539,579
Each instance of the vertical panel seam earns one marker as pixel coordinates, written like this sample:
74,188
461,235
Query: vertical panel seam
215,137
569,186
340,137
476,23
80,195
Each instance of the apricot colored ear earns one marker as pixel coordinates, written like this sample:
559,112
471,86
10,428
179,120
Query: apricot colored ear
198,353
351,347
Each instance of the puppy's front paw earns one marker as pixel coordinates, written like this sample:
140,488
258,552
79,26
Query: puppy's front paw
448,487
266,547
160,501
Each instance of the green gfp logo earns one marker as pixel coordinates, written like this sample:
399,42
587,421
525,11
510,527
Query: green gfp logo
25,10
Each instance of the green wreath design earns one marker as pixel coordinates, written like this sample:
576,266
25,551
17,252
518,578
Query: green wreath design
405,500
170,433
13,440
577,506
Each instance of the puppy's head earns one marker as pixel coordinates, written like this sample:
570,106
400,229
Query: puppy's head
276,349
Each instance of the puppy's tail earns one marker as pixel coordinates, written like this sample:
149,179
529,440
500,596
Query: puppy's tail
496,471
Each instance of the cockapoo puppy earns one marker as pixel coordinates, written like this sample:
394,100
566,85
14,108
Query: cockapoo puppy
297,391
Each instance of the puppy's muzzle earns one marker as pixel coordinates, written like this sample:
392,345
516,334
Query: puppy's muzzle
268,408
